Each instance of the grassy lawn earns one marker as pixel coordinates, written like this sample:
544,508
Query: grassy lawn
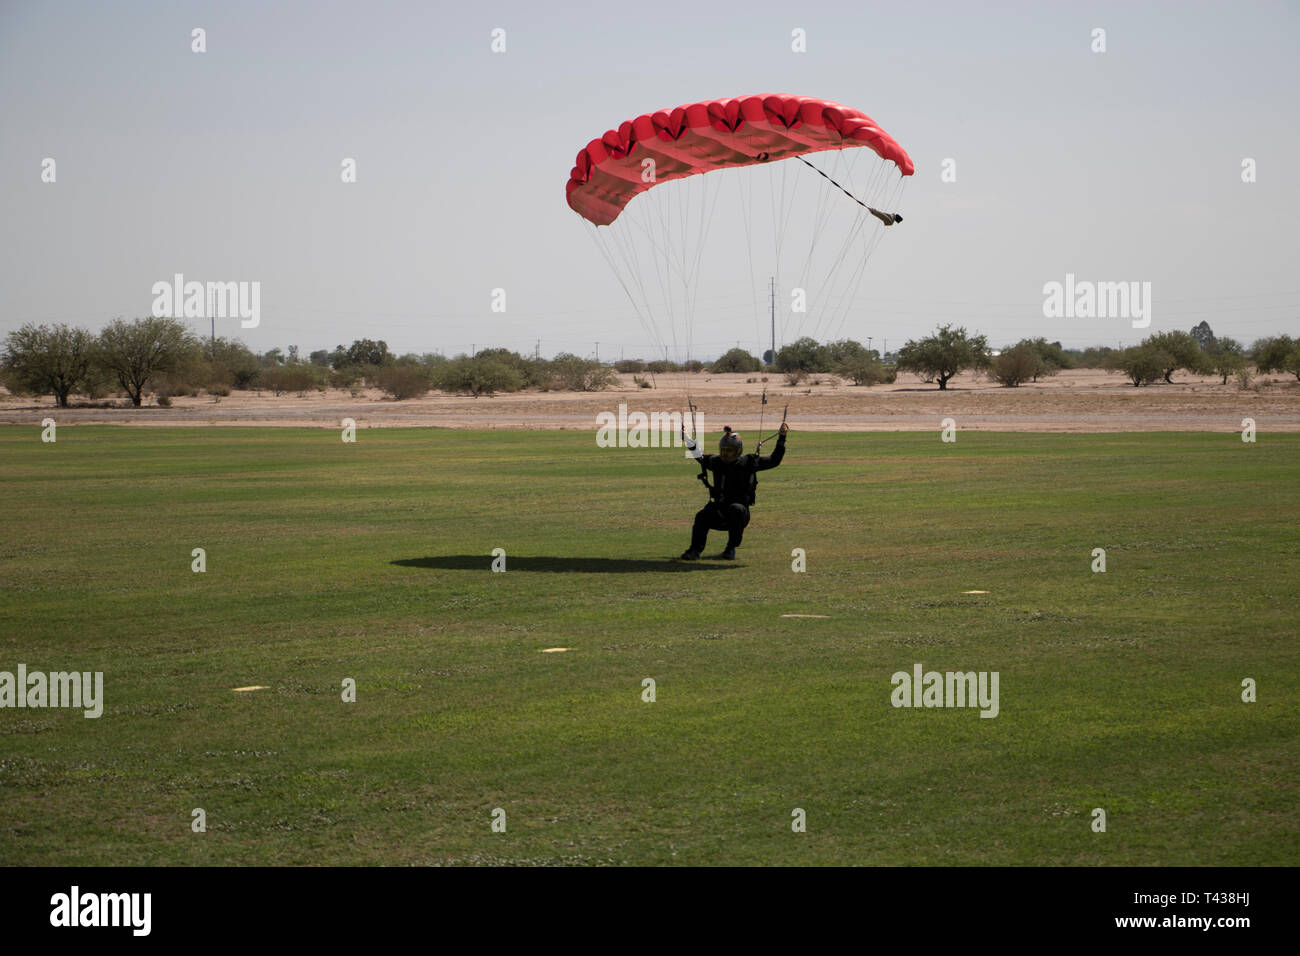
371,561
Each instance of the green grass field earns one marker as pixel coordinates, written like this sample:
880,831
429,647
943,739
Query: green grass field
371,561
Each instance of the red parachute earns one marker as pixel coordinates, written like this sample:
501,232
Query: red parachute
715,134
769,225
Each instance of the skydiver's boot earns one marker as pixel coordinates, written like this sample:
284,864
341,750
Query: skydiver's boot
728,555
689,556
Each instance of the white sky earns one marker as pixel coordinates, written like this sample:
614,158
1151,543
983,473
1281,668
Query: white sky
225,165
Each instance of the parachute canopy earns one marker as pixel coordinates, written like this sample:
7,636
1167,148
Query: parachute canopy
715,134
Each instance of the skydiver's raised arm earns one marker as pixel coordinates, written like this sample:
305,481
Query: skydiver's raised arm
774,459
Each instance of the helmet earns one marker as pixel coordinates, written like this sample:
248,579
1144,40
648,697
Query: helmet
731,445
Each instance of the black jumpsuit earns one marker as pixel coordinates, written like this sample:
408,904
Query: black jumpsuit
729,511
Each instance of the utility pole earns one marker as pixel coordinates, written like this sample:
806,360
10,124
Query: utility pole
868,343
597,353
537,352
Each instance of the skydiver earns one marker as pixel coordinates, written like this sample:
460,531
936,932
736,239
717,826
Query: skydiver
735,478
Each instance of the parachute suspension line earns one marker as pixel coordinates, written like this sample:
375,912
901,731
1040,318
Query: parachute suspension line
673,230
891,194
627,247
707,210
776,209
828,293
838,306
624,242
665,271
658,232
821,217
663,256
613,242
831,272
830,290
838,291
780,218
888,218
706,222
836,282
788,207
787,210
787,214
684,226
842,302
776,233
783,208
619,243
607,254
745,209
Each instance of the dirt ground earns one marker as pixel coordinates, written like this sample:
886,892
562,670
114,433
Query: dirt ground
1082,400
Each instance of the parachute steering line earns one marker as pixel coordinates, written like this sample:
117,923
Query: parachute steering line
763,408
693,417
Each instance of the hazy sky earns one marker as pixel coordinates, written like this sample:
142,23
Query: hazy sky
225,165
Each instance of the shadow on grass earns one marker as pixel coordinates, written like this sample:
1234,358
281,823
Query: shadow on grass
483,562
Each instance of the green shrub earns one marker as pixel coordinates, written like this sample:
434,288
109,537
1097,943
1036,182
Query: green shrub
477,376
580,375
292,378
1144,364
863,369
805,355
736,360
404,381
1015,365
